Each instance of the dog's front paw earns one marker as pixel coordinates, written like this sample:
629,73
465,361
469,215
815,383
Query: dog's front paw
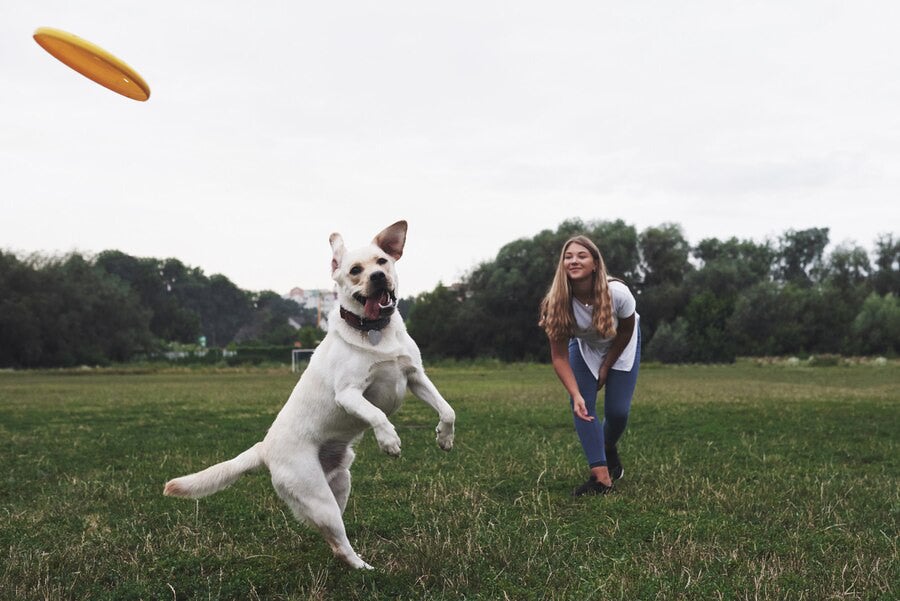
388,440
391,447
444,432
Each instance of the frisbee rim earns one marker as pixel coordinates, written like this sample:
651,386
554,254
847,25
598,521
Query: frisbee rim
115,63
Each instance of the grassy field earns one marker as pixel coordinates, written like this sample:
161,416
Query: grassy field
742,482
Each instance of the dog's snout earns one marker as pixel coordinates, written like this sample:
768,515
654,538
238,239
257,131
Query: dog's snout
378,277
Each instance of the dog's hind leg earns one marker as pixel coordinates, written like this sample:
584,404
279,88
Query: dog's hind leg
307,492
339,481
336,459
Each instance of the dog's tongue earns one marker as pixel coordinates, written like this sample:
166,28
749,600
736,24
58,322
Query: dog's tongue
373,305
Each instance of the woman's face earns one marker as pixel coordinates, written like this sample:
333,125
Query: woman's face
578,262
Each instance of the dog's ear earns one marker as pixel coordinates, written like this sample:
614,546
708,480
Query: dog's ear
337,250
392,239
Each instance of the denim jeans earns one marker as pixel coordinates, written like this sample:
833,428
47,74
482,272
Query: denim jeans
595,436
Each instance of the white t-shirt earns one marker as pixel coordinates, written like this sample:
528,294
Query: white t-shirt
593,347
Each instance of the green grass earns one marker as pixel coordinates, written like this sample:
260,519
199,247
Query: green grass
742,482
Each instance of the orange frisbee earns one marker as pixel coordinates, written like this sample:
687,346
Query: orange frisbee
93,62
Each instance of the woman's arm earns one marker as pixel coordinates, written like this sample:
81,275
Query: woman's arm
624,332
559,355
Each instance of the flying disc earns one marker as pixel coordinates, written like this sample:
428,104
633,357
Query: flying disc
93,62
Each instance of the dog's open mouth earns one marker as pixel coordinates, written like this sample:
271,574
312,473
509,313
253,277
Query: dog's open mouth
375,304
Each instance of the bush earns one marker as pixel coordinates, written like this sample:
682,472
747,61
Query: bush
670,343
825,360
876,329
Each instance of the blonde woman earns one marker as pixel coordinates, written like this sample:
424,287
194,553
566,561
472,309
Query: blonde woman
595,342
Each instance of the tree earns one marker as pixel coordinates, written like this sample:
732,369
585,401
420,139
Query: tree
706,319
618,243
727,269
887,259
99,319
157,284
309,336
183,301
848,268
269,322
877,327
732,297
62,312
753,261
21,343
800,256
664,263
437,324
670,344
664,255
660,304
766,320
185,291
225,310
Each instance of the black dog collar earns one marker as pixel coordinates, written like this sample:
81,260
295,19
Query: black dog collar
367,325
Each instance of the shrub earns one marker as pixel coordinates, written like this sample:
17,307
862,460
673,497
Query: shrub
670,343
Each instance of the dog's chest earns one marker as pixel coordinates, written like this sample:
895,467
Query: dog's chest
387,384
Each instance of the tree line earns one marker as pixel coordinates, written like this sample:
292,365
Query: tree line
710,302
73,310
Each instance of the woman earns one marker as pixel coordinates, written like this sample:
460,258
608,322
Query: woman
595,342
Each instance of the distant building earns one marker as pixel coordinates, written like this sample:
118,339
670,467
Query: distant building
320,300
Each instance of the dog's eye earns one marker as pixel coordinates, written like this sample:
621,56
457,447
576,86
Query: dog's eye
356,270
381,261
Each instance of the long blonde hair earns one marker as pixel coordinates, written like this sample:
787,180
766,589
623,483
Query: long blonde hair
557,317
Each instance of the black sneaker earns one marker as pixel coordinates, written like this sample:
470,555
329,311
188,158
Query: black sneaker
613,463
592,487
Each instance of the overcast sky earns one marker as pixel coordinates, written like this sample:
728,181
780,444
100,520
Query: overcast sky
272,124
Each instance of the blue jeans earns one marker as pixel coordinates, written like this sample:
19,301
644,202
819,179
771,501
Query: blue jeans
595,436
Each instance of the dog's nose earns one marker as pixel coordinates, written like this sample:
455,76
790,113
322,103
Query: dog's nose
377,277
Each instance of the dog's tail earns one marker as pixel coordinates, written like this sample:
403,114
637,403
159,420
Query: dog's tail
216,477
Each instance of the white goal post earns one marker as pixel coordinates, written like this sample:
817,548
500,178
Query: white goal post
296,355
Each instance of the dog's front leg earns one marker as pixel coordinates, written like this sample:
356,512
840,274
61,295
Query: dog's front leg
353,402
422,386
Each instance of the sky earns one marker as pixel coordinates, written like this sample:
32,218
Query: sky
273,124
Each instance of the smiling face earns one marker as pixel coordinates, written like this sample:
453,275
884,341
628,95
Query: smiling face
366,277
579,263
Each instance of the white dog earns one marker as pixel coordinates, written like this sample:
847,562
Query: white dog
355,380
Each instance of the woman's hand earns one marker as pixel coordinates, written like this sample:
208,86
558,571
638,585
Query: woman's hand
560,356
602,375
580,410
